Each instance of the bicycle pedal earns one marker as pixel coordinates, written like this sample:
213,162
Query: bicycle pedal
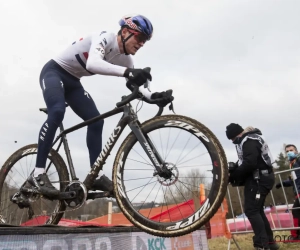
20,200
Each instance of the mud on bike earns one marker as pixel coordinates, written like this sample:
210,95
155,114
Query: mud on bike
159,166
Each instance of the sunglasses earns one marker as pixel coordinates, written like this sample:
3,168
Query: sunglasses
139,37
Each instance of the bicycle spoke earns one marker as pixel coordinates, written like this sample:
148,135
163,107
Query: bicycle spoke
23,172
168,139
178,159
154,200
148,195
161,144
30,206
173,143
183,197
139,169
188,184
149,164
16,184
188,153
193,158
19,174
193,166
138,179
165,204
143,158
141,186
175,202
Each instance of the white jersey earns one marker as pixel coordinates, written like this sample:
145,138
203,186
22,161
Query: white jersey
95,54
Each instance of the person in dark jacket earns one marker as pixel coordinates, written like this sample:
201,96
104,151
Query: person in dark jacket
293,181
254,171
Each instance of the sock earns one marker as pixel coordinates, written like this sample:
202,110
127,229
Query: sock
38,171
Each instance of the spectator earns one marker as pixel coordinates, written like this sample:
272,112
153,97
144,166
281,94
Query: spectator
293,181
254,171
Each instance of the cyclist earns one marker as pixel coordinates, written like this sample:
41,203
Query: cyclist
104,53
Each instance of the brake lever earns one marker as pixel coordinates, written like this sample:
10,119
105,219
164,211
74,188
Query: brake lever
147,85
171,107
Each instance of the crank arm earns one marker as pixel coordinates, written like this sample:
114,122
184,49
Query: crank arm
30,190
60,196
66,195
99,195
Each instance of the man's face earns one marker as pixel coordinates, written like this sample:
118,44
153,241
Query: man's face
234,140
135,42
291,149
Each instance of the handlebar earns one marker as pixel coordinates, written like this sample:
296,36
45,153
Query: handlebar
126,99
150,101
136,94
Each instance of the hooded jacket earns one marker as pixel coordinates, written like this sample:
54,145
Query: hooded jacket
253,153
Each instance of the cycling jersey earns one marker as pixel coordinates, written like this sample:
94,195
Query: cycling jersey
95,54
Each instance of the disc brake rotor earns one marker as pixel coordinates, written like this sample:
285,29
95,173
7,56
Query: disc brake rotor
173,175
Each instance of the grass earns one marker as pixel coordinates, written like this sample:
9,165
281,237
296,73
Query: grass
245,242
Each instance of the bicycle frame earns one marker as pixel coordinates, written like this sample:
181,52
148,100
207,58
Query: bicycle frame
129,118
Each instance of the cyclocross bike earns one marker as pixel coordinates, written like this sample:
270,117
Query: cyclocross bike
159,166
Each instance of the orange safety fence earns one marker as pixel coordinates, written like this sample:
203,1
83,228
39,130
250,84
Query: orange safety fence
217,224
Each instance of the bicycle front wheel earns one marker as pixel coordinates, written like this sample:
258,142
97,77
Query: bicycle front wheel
33,209
174,205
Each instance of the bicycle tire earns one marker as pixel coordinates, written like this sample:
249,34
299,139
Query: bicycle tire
200,216
14,173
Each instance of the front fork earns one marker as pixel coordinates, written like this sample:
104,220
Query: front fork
148,147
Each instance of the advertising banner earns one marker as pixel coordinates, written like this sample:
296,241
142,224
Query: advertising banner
103,241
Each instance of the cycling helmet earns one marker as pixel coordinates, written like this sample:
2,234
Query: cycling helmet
139,23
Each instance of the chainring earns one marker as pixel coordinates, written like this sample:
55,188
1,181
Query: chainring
80,197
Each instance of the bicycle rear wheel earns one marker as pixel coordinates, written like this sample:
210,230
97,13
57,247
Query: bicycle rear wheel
35,210
170,207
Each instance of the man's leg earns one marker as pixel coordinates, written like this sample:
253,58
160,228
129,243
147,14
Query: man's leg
253,207
83,105
53,93
272,244
296,217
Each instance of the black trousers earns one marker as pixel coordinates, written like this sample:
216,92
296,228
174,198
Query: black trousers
254,209
296,217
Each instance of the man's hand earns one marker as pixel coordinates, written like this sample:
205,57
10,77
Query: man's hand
138,76
232,166
163,98
278,185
